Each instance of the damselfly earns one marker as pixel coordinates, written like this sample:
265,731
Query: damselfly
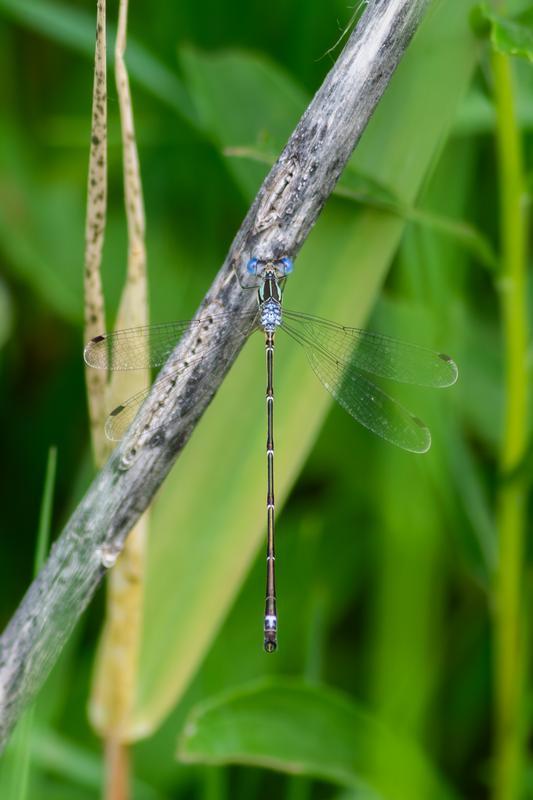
341,357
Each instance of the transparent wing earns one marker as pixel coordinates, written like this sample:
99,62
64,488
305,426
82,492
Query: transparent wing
372,352
148,346
123,415
120,419
371,406
366,403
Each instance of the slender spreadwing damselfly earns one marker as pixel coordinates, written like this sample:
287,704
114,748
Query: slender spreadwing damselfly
341,357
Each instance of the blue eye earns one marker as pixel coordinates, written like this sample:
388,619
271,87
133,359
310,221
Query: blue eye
287,263
252,266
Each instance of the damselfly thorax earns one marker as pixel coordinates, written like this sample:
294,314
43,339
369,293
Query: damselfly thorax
271,274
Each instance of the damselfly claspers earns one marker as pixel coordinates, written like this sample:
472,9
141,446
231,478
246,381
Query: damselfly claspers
340,356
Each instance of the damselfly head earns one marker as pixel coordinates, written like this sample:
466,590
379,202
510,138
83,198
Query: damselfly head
280,267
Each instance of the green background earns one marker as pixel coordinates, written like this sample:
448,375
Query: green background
386,560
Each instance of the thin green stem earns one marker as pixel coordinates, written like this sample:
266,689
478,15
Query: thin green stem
45,516
511,501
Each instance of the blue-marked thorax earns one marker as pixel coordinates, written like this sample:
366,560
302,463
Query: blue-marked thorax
269,299
270,314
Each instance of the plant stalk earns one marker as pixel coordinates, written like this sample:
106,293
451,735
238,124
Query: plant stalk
512,495
115,674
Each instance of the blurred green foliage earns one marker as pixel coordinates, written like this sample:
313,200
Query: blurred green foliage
385,560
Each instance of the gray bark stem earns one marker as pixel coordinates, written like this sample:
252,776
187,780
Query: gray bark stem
281,216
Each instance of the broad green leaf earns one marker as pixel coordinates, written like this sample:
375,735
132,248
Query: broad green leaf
208,520
306,730
264,108
512,37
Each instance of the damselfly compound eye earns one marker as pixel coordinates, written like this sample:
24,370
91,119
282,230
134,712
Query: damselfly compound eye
252,266
287,264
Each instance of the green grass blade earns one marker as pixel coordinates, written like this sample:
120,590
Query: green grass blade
15,775
77,765
45,515
306,730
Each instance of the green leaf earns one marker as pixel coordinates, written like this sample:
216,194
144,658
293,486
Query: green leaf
264,108
512,37
304,730
208,520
